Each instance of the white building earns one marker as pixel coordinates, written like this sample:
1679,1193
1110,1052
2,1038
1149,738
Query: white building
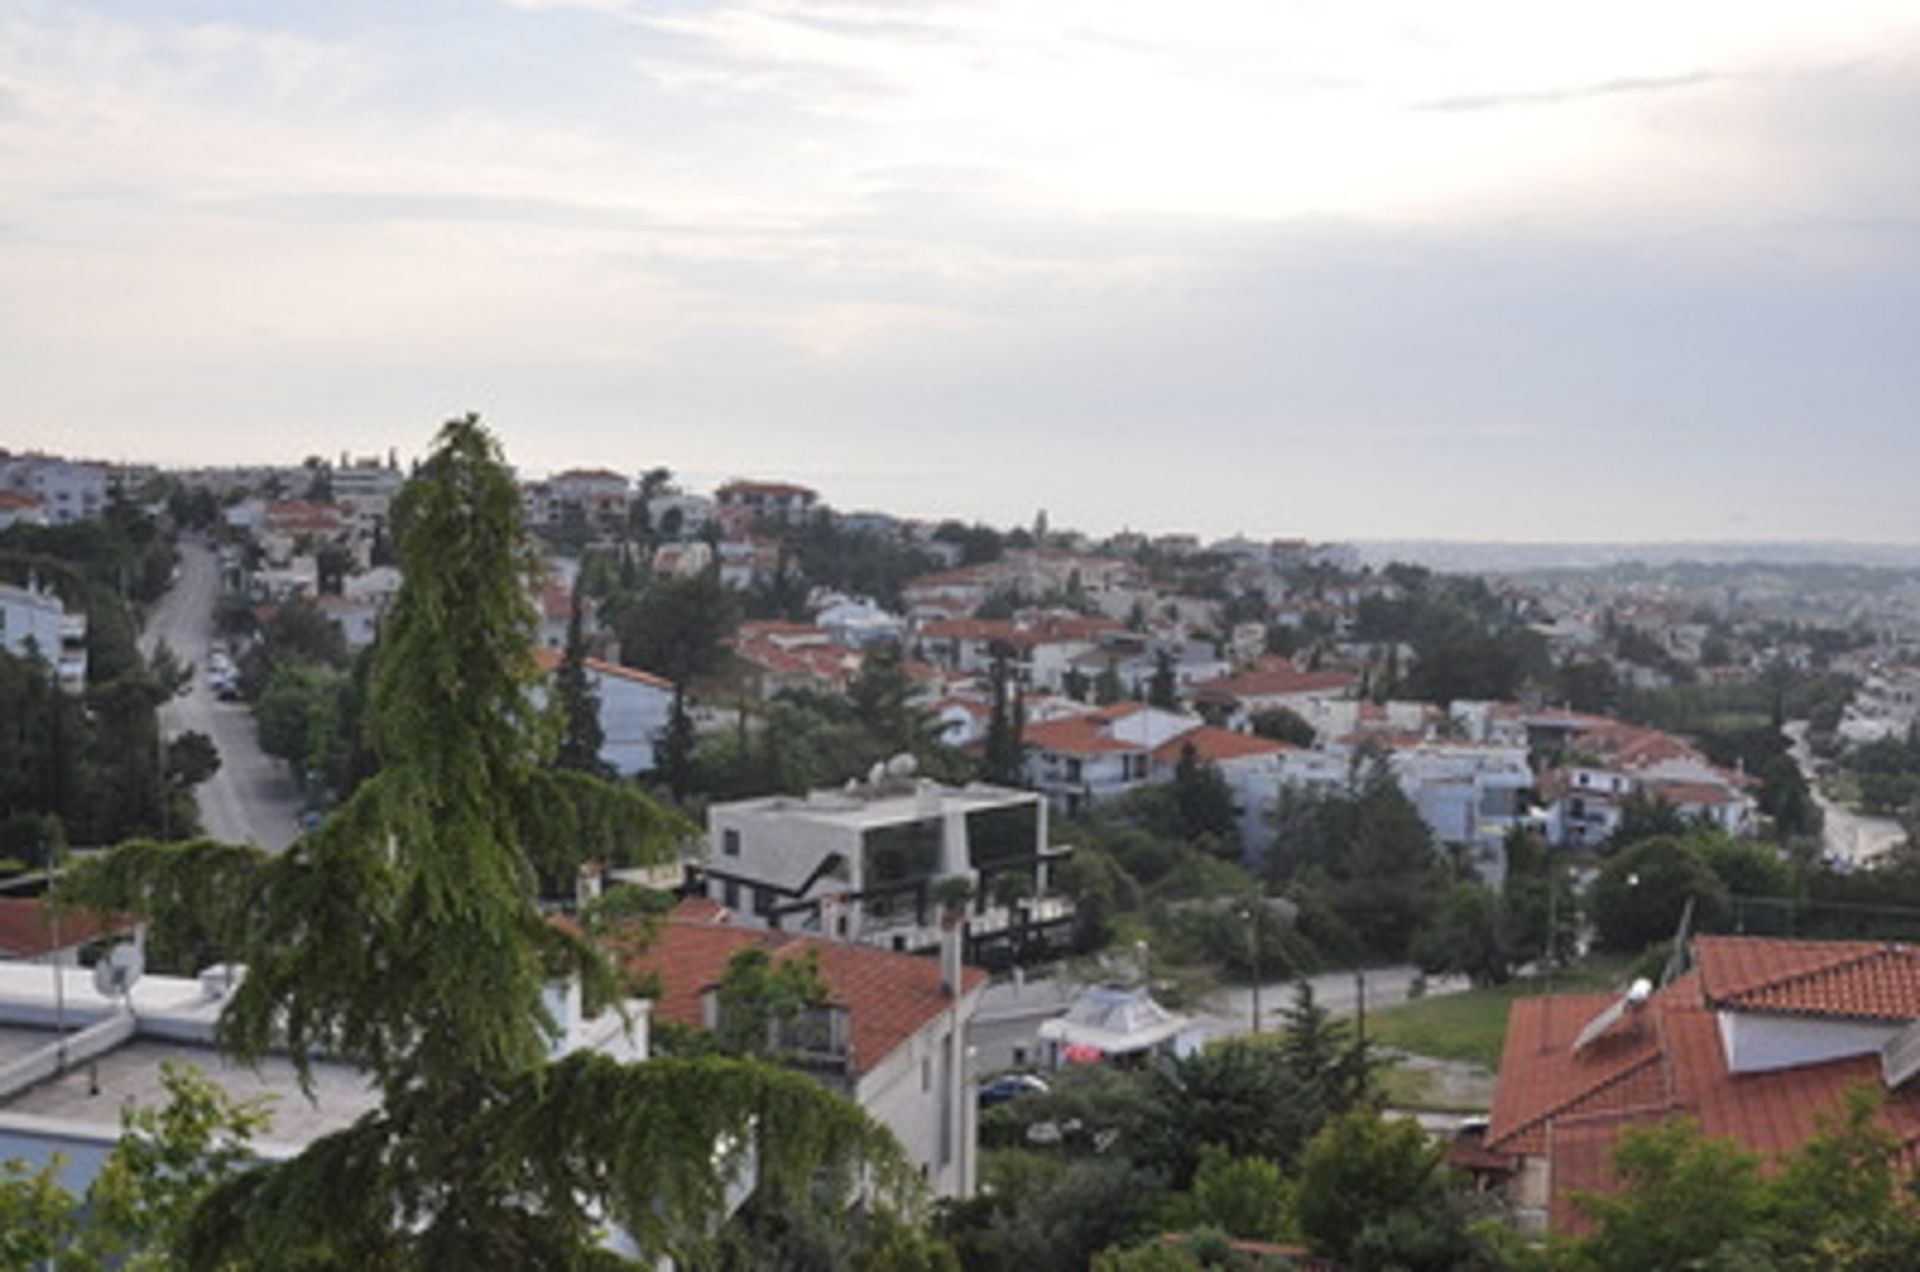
21,508
862,864
33,622
1470,796
69,491
73,1061
1887,705
368,486
1080,761
635,707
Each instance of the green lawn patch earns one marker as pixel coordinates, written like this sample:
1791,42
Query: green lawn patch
1472,1025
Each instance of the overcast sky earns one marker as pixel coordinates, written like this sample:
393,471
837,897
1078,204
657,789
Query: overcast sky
1337,268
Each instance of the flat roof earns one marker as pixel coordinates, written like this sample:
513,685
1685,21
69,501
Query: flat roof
130,1075
865,807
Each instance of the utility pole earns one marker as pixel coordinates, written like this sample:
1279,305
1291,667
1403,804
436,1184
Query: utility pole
1253,952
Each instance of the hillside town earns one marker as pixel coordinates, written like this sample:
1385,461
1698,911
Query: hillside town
995,833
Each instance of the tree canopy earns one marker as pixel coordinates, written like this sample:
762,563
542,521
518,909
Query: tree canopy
404,936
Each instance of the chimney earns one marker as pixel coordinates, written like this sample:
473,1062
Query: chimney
830,912
953,931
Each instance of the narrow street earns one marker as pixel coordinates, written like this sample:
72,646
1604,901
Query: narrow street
1850,838
252,799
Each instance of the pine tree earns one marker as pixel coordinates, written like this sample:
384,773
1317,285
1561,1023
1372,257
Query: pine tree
1002,757
1163,690
403,936
577,704
676,746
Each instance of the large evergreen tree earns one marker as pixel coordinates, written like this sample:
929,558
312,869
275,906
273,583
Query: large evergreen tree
403,936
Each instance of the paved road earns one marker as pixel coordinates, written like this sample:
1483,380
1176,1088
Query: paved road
1850,837
1228,1011
252,799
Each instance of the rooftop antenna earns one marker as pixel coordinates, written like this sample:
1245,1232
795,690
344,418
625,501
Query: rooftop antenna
1677,962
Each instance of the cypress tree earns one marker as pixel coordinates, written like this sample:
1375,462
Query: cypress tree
576,703
403,936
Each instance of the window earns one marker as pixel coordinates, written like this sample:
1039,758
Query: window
730,843
733,895
926,1074
1019,1057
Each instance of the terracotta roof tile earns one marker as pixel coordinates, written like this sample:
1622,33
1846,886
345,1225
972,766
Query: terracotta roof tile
1214,745
1275,679
1671,1061
26,928
549,660
888,997
1857,980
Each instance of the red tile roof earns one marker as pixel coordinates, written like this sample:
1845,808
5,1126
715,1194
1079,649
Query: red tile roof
1668,1059
1275,678
1086,734
764,490
550,659
888,997
1214,746
26,928
11,499
1855,980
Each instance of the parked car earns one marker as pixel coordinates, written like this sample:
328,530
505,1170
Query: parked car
1010,1086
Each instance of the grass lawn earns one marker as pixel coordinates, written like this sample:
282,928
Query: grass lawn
1472,1025
1420,1091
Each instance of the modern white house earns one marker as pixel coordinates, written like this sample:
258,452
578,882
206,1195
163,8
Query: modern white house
864,864
74,1060
1470,796
34,623
635,707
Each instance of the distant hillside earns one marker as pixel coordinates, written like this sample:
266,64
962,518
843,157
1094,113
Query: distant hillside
1500,558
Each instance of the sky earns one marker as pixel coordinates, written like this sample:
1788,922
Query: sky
1481,269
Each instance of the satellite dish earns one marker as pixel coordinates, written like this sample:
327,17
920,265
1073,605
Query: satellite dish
902,765
115,974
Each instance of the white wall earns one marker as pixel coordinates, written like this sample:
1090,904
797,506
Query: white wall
922,1086
1756,1043
633,715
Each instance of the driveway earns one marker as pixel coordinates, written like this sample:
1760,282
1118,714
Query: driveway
252,799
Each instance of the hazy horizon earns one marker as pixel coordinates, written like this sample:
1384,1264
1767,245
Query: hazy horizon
1507,272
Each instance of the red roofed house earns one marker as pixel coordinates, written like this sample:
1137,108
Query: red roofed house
1272,683
741,503
30,931
891,1036
1756,1042
1607,762
1079,761
635,707
601,494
